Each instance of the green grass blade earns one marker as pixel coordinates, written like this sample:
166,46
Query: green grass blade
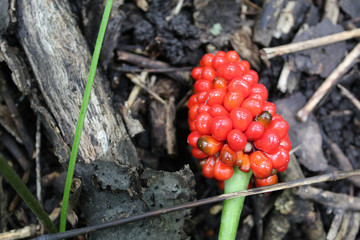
21,189
81,119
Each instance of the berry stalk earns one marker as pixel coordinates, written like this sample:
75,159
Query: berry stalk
232,207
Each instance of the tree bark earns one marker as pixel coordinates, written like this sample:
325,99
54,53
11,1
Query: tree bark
60,59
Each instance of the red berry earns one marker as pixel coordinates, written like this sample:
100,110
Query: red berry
241,118
219,61
208,167
260,164
197,153
192,101
208,73
277,117
201,97
192,126
238,85
264,118
254,131
220,54
202,85
227,155
209,145
253,105
229,71
251,76
260,89
221,185
245,161
220,83
285,142
202,123
270,107
216,96
283,168
279,158
244,65
268,142
203,108
233,100
236,140
280,126
196,73
271,180
220,127
232,56
193,112
218,110
206,60
193,137
222,172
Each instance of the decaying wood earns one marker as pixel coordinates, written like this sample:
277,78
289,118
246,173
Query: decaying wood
60,59
19,123
330,199
290,209
330,81
335,224
150,63
268,53
25,232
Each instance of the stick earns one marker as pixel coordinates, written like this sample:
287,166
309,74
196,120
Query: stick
343,67
37,159
268,53
349,95
301,182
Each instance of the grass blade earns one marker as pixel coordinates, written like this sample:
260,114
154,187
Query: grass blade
21,189
81,119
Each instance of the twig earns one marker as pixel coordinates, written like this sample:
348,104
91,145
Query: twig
175,11
283,79
136,81
19,123
153,70
25,232
335,224
149,63
351,235
344,225
37,160
331,11
343,67
136,89
349,95
268,53
301,182
343,160
331,199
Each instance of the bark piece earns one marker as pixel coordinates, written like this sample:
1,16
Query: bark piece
266,23
60,59
317,60
305,134
4,15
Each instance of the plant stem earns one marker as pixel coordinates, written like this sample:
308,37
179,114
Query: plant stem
232,207
21,189
81,119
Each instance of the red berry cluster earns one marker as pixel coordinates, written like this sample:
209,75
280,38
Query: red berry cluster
232,124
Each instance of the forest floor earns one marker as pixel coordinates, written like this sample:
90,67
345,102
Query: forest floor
160,43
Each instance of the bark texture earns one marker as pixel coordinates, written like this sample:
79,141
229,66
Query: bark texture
60,59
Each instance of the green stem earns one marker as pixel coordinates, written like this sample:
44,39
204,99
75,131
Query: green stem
21,189
232,207
81,119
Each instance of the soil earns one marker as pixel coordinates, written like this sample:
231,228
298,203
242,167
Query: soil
180,40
